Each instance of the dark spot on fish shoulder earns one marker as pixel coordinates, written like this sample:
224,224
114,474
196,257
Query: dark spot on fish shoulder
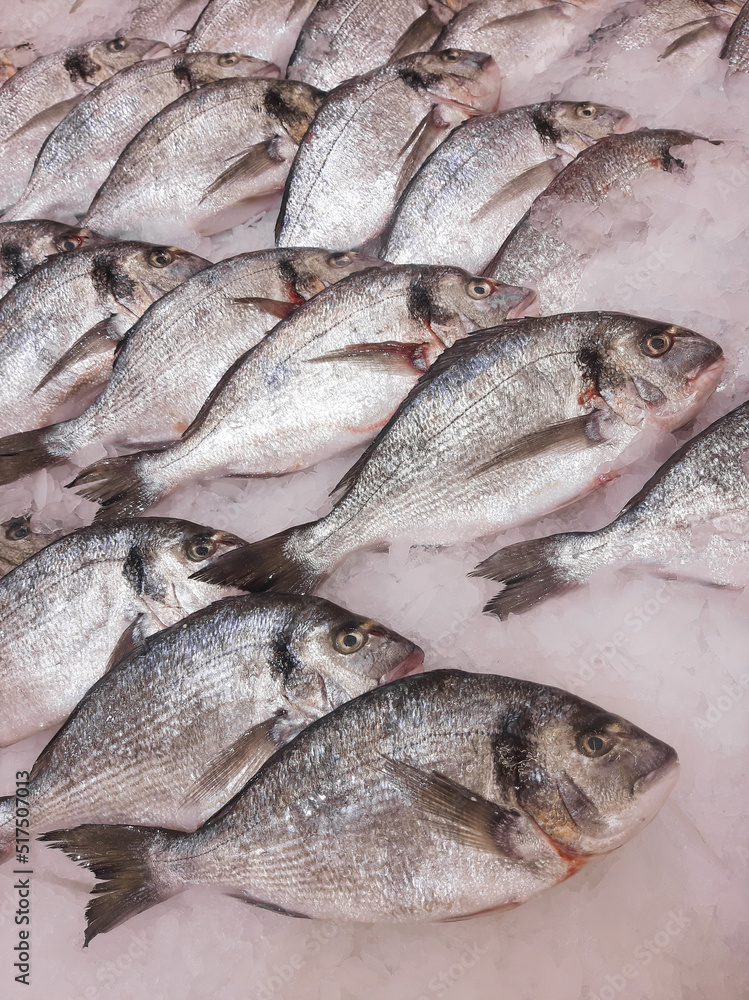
590,364
283,662
289,277
419,303
509,751
109,280
289,112
80,66
14,260
136,573
417,81
548,132
183,76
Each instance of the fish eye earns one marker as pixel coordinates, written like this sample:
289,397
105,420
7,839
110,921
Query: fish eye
594,745
349,640
16,532
200,548
160,258
340,259
585,110
117,45
228,59
450,55
478,289
657,344
70,243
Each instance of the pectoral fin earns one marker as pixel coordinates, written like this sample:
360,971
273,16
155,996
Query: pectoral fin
705,30
130,640
257,160
420,34
569,435
100,339
425,137
48,117
274,307
528,183
389,356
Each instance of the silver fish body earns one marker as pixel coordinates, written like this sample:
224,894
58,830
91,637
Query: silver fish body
59,326
19,539
25,245
369,138
507,426
474,188
690,520
322,381
168,20
435,797
38,96
79,154
675,25
206,155
70,607
174,730
736,48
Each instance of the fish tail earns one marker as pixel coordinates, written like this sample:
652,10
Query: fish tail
7,827
27,452
118,485
126,859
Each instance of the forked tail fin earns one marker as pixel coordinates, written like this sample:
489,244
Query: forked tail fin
117,484
24,453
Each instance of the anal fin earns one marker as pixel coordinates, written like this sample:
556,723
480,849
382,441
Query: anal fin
255,161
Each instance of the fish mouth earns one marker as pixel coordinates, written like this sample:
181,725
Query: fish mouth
625,124
268,72
668,771
158,50
413,664
521,309
707,368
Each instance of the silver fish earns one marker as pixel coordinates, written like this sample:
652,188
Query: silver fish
25,245
482,179
691,520
19,539
435,797
736,48
322,381
507,426
166,366
59,326
38,96
174,730
205,158
79,154
77,606
369,138
549,256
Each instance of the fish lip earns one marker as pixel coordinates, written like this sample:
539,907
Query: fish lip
413,664
158,50
707,368
625,124
518,311
664,770
269,72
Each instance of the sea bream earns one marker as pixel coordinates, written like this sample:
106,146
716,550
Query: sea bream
20,539
436,797
690,521
77,606
550,254
25,245
508,425
207,160
173,357
78,155
324,380
481,180
174,730
39,95
60,325
370,136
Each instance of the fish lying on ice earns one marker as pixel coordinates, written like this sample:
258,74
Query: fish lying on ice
19,539
25,245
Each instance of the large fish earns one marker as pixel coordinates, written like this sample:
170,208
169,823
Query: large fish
38,96
481,180
369,138
736,48
435,797
167,366
25,245
322,381
19,540
206,159
507,426
77,606
690,520
59,326
78,155
549,254
173,731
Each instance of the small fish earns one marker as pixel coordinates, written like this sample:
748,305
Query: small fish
38,96
76,607
25,245
690,521
322,381
369,138
550,256
206,159
79,154
436,797
60,325
19,540
173,731
474,188
736,48
506,426
166,366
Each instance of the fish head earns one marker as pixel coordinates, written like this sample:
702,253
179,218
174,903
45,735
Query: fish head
470,80
118,53
293,105
79,239
173,550
460,303
315,269
140,273
206,67
579,123
655,374
590,779
18,541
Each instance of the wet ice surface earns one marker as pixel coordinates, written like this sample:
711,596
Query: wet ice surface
665,916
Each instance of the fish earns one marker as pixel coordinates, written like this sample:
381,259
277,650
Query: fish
370,136
206,160
19,539
79,154
549,255
345,38
736,47
478,183
166,366
169,20
174,730
39,95
322,381
79,605
689,521
25,245
60,324
508,425
436,797
267,29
